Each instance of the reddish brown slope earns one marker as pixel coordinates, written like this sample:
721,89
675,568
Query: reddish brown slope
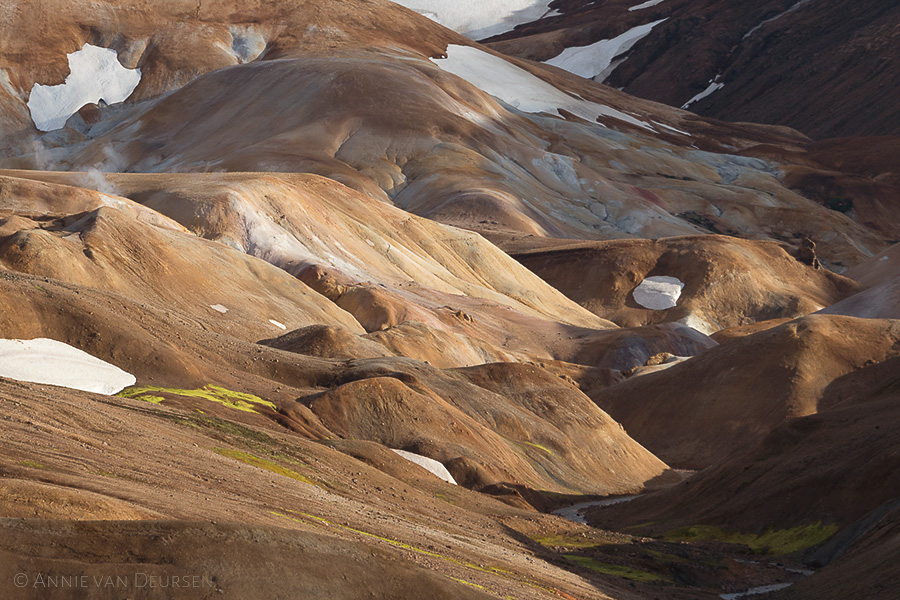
697,413
833,467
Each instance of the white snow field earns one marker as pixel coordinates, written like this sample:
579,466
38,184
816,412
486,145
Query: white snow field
55,363
430,464
659,293
94,74
479,19
519,88
597,60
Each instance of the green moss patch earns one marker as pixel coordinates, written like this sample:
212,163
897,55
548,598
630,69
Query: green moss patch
567,541
615,570
774,542
210,393
255,461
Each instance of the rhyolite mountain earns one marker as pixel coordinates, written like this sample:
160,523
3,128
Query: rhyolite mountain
317,231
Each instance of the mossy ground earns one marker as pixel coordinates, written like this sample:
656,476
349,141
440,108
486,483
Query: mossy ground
615,570
774,542
253,460
212,393
569,541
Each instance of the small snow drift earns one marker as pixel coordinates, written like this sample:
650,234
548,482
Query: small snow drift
519,88
479,20
659,293
598,60
429,464
55,363
95,74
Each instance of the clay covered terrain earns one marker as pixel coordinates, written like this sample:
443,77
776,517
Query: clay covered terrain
318,298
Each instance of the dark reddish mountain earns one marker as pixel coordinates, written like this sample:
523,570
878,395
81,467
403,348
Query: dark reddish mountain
825,67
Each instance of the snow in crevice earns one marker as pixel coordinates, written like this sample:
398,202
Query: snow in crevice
431,465
659,293
598,60
647,4
714,86
775,18
95,74
55,363
479,19
520,89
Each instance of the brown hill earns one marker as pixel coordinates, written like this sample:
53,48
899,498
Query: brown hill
245,506
698,412
788,478
398,402
881,274
231,561
727,282
881,268
432,142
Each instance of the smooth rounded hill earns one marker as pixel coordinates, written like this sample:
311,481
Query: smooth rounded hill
327,341
725,282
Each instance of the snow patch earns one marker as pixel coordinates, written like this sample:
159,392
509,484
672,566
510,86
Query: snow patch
647,4
430,464
55,363
714,86
596,60
520,89
95,74
659,293
670,128
219,308
278,325
247,43
477,19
